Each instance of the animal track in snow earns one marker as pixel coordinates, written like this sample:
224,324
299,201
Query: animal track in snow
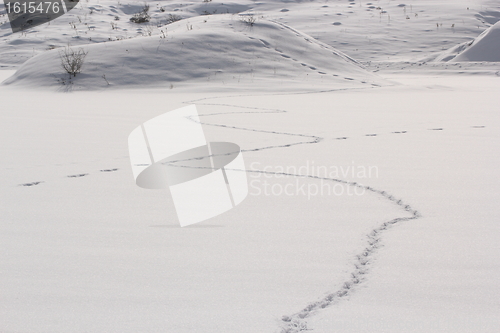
31,184
363,261
71,176
78,175
266,44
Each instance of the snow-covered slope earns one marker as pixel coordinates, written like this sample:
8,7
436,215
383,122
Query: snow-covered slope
220,48
382,30
387,30
486,47
98,21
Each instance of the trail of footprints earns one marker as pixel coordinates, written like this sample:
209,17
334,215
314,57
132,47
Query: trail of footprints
31,184
268,46
403,132
80,175
371,134
296,322
362,262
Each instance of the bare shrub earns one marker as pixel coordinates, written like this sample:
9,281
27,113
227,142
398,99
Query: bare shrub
142,16
72,61
248,19
173,18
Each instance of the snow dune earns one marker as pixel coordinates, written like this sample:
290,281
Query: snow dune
486,47
217,49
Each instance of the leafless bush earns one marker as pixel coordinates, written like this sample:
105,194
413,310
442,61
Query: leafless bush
173,18
142,16
248,19
72,61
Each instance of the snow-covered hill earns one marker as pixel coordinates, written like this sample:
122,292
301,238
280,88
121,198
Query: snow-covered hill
382,30
486,47
218,49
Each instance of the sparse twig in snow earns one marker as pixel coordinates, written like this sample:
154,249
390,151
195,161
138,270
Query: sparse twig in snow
248,19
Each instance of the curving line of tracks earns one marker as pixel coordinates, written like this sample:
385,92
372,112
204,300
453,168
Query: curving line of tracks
297,322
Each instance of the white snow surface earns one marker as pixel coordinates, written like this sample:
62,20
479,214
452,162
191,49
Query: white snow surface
372,169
